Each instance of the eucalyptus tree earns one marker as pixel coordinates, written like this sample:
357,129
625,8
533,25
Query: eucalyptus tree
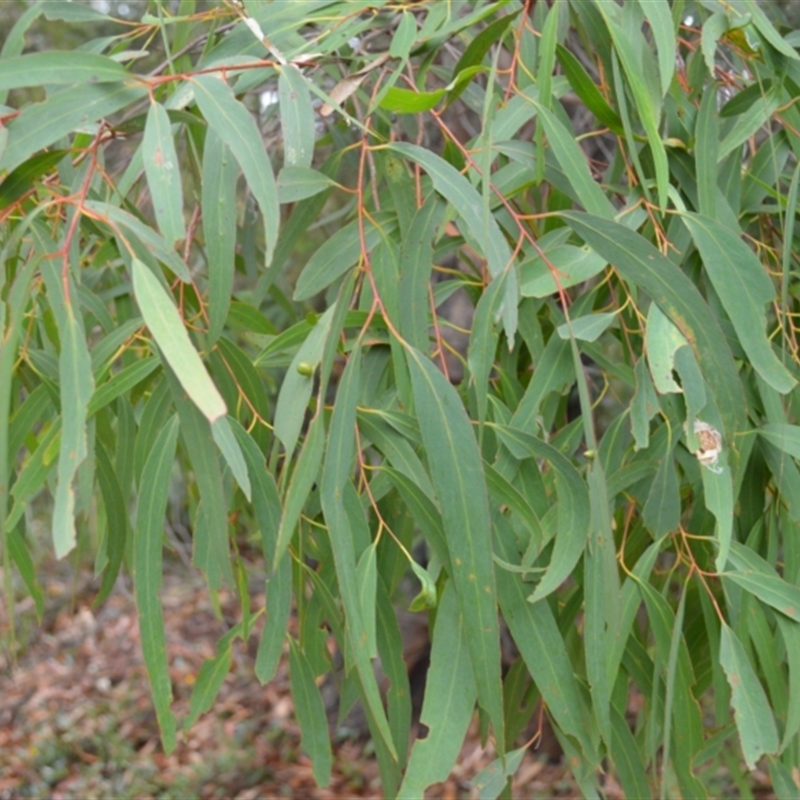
229,232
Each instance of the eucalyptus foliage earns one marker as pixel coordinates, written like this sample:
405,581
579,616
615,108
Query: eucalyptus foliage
229,232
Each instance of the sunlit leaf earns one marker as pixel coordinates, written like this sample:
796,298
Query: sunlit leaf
168,330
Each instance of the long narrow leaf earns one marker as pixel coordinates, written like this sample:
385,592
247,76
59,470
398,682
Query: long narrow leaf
165,324
147,559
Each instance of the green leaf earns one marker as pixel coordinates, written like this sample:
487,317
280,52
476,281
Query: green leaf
483,342
458,191
573,506
405,101
628,758
706,131
20,181
147,559
298,183
232,453
168,330
744,287
163,172
473,55
42,124
416,260
449,701
713,29
344,516
641,264
279,609
233,124
573,161
662,27
121,383
662,511
27,570
572,265
339,254
218,201
367,581
541,644
301,483
297,118
77,386
390,651
759,112
404,36
718,490
784,436
211,677
117,526
492,780
310,712
69,12
649,110
58,67
297,385
758,578
587,91
663,340
457,474
152,241
210,540
754,721
588,328
790,632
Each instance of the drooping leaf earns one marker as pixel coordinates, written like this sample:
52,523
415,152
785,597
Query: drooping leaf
457,190
218,200
147,560
310,712
535,632
297,117
233,124
449,701
77,386
168,330
416,261
163,171
586,89
568,265
42,124
754,721
457,474
299,381
639,262
588,328
573,506
232,453
150,239
744,287
573,162
298,183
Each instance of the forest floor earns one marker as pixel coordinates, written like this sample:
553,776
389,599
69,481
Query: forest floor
76,719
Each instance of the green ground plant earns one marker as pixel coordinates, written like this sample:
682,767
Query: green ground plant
231,240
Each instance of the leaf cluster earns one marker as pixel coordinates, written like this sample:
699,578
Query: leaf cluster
494,300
